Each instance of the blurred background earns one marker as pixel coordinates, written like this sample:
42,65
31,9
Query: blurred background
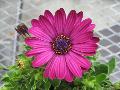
104,13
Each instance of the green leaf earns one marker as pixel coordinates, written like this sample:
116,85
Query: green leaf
98,87
23,57
106,83
3,68
27,47
91,84
47,85
88,83
94,58
111,65
117,86
4,88
65,86
96,63
37,76
5,79
55,83
102,68
75,88
100,77
77,81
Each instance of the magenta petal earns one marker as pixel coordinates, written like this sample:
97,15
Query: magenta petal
35,42
46,72
63,14
46,26
70,22
36,51
81,38
89,53
49,70
79,18
49,16
52,70
60,67
59,22
42,59
69,76
39,34
85,47
35,23
90,28
94,40
73,66
81,61
84,53
81,26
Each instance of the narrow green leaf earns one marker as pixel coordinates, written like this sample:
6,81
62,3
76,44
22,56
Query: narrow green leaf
47,85
102,68
98,87
6,79
100,77
77,81
55,83
75,88
111,65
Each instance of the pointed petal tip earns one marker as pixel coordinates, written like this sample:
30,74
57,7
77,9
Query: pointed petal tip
52,77
61,8
80,13
93,25
27,54
34,22
47,12
57,12
63,12
41,17
34,64
96,39
73,12
45,75
70,80
89,20
28,39
30,29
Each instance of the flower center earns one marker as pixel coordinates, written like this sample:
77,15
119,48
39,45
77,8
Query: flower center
61,44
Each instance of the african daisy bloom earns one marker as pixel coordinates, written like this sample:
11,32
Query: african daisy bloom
60,42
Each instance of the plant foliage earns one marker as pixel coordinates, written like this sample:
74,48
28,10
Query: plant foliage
22,76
